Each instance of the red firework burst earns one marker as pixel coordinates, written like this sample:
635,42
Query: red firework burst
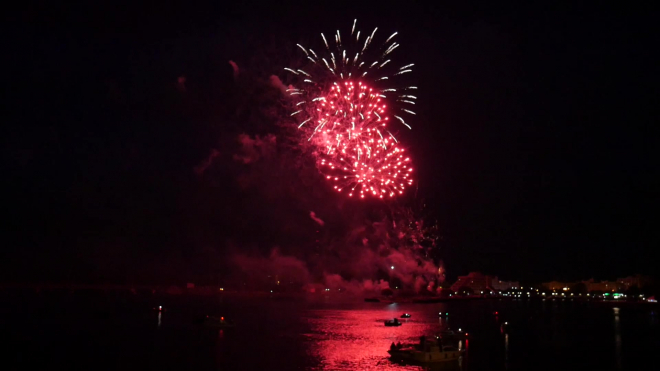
351,120
381,171
345,119
348,114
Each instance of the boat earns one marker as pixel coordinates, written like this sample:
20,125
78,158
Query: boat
427,351
217,322
392,322
405,315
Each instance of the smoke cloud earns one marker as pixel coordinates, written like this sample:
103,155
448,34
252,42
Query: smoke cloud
362,247
253,149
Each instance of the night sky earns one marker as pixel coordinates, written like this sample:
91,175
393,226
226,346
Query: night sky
534,142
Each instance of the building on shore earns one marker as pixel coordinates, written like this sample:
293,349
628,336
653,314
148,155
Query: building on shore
558,286
620,285
476,281
630,281
499,285
604,286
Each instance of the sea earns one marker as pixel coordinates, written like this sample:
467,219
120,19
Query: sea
105,330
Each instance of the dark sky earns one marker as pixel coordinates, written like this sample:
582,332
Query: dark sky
534,142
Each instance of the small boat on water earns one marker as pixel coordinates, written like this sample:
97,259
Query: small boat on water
392,322
405,315
427,351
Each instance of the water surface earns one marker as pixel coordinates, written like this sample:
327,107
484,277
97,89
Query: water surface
112,331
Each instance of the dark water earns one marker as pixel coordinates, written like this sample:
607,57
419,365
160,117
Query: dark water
109,331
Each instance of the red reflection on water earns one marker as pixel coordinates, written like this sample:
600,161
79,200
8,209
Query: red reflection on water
358,339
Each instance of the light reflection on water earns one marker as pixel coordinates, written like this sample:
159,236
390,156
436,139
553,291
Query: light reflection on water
617,338
358,339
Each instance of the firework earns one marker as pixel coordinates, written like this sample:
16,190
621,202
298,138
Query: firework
355,59
342,103
380,172
345,115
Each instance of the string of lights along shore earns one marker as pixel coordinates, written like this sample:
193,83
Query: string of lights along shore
342,96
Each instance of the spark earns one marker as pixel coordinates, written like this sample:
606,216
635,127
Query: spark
410,112
381,137
373,33
303,123
303,49
290,70
365,44
407,66
325,41
353,29
403,121
295,113
391,49
402,72
390,38
393,137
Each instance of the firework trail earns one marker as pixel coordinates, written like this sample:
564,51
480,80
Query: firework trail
341,104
